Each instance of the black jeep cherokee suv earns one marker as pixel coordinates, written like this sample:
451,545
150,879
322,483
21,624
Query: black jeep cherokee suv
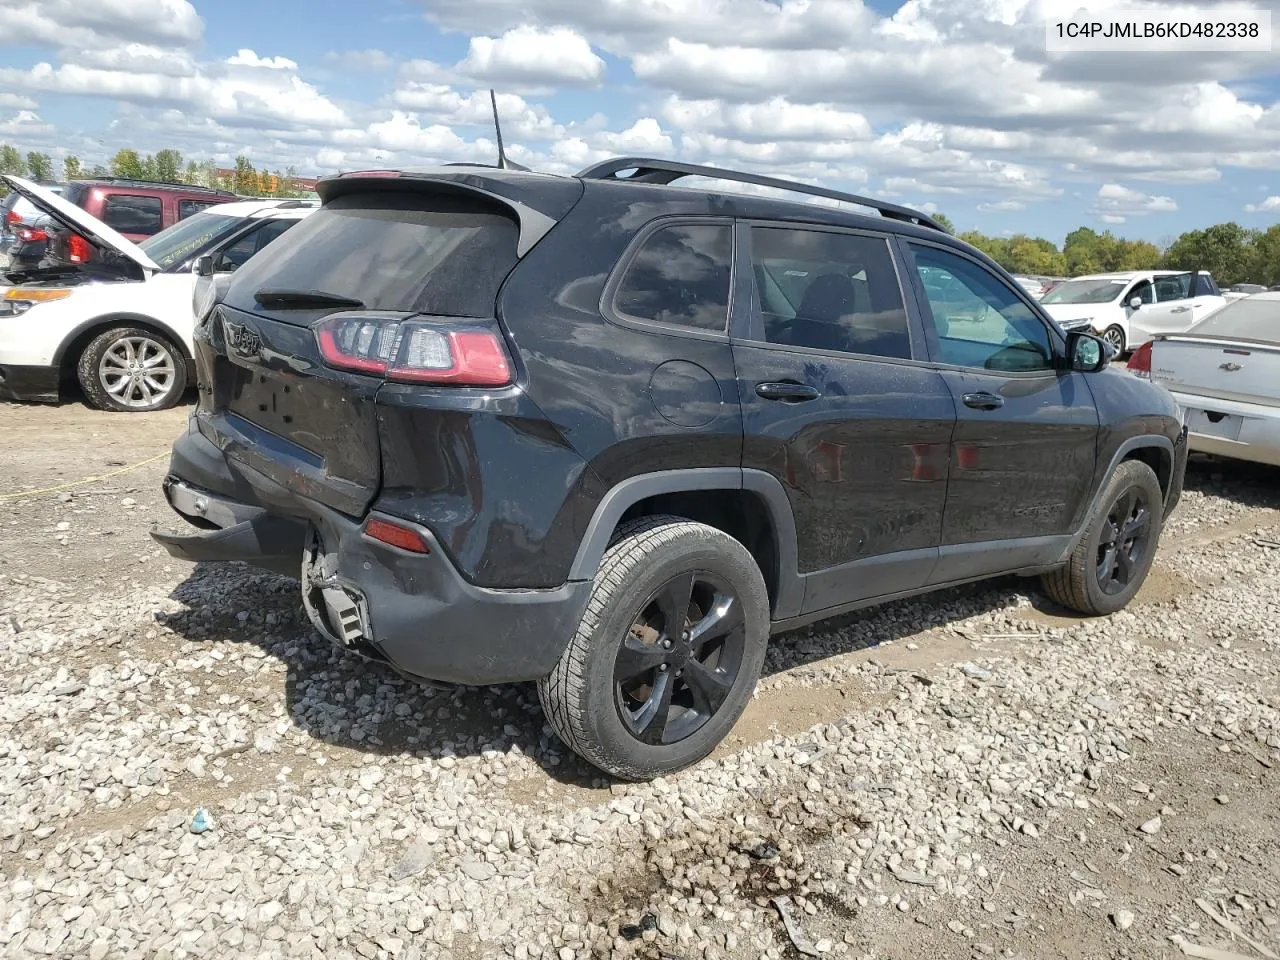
609,434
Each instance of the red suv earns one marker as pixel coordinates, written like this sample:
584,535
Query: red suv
136,208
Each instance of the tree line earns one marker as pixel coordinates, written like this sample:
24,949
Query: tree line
1232,253
164,166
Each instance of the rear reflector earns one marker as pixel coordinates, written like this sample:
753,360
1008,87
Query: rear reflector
406,538
414,352
1140,360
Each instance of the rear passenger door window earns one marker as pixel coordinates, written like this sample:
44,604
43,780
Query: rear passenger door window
680,277
829,291
978,320
131,214
236,255
1177,287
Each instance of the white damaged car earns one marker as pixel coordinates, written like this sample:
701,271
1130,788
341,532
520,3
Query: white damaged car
1128,309
121,324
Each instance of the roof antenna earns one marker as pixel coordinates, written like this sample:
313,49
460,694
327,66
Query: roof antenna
503,162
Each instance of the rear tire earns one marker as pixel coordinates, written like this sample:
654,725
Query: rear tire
1112,559
668,651
132,370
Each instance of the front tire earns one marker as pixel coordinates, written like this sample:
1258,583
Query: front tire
1116,336
1112,559
667,654
132,370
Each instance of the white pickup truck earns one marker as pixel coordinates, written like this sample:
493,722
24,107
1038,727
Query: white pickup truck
1224,374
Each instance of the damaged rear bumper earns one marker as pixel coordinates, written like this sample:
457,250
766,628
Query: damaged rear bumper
414,611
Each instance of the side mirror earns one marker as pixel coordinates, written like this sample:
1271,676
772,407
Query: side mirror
1088,353
1135,303
203,267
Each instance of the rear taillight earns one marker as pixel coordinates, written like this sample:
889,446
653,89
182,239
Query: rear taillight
1140,360
78,249
32,235
12,218
414,352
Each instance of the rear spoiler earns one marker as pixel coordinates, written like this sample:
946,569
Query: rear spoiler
534,224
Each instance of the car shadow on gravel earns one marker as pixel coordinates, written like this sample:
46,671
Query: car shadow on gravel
347,702
350,703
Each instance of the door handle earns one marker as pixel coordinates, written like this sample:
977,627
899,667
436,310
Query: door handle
983,401
787,392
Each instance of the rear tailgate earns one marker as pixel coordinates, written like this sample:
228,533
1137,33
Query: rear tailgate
1226,369
272,405
380,252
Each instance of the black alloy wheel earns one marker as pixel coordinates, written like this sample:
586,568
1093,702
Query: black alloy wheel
1126,537
680,658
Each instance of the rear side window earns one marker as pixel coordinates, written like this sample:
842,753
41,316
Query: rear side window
187,207
412,252
132,214
829,291
75,193
680,276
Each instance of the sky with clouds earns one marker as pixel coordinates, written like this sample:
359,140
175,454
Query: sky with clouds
949,105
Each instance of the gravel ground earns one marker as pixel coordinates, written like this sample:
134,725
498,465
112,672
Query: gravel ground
972,773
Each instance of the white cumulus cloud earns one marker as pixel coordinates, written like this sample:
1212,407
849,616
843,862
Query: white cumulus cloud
531,55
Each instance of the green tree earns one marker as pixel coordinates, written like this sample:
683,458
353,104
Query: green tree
1035,255
1083,252
40,166
944,221
1262,261
1138,255
11,161
168,164
71,169
126,163
245,179
997,248
192,173
98,170
1223,249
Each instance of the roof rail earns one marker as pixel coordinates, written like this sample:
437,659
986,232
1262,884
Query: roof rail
294,204
138,182
668,171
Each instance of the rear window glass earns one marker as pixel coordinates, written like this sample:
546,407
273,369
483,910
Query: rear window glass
680,276
414,252
1251,319
132,214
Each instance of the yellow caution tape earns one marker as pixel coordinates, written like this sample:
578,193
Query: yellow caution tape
81,483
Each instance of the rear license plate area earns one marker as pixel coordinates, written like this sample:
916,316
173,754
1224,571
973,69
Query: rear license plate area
269,402
1209,423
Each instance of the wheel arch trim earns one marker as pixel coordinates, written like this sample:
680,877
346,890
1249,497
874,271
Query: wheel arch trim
107,320
1143,441
789,596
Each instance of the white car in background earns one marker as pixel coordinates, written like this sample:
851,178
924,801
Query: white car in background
122,324
1032,285
1224,374
1128,309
